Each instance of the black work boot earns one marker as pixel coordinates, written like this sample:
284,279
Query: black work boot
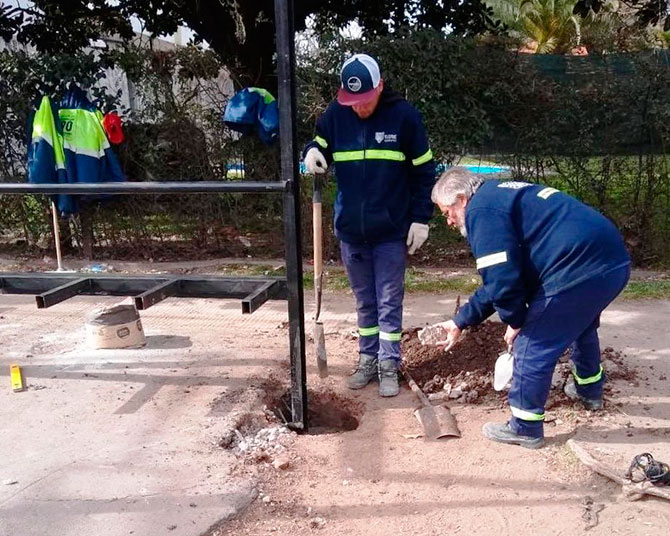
592,404
502,433
366,371
388,377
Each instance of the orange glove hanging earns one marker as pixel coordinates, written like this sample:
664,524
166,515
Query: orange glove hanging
112,125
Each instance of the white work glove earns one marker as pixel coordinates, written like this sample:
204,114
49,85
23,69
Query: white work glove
315,162
453,334
418,233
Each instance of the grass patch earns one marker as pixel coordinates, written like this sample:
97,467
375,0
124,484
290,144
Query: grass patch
335,278
418,280
647,290
251,270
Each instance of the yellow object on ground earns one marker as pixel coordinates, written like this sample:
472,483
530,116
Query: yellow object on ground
16,377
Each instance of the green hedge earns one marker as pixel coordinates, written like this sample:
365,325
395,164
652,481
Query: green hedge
597,127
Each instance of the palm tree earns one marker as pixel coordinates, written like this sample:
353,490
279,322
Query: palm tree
550,24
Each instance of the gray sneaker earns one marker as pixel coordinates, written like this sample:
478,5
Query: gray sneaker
388,377
502,433
592,404
366,371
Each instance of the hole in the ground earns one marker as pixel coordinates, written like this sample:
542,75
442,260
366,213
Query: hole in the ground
327,412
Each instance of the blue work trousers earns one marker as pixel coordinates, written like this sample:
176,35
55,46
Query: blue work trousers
377,277
553,324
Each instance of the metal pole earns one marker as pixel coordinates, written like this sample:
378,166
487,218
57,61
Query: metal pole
59,258
292,228
187,187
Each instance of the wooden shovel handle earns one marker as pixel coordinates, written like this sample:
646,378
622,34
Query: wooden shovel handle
416,389
318,239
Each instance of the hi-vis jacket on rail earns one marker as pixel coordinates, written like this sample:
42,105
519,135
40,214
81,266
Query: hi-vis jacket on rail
68,145
384,168
527,240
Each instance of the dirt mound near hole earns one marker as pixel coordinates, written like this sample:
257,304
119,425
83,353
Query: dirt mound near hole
465,373
467,367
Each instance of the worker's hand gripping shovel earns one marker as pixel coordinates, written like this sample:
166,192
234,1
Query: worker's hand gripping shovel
319,336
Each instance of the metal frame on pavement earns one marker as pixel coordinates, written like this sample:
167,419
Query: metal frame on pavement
147,290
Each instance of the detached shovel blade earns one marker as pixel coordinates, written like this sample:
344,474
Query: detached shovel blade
320,349
437,422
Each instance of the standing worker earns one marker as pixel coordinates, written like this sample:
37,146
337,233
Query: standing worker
550,265
385,172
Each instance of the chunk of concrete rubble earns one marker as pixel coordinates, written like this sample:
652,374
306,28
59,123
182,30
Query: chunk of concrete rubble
317,523
438,397
432,334
281,462
456,392
471,396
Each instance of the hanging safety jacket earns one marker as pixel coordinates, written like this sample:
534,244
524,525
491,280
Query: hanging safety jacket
253,109
384,168
529,239
69,145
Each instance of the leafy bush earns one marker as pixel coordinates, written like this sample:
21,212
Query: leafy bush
597,127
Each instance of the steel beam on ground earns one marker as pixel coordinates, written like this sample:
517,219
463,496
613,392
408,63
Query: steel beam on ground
257,298
146,289
63,292
157,294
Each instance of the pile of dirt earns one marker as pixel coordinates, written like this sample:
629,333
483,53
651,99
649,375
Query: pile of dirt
466,368
465,373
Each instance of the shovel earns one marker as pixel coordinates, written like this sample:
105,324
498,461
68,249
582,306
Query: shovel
436,421
319,336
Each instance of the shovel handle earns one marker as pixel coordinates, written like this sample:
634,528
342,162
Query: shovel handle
317,226
318,240
416,389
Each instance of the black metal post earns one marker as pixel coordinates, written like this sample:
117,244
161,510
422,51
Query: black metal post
292,229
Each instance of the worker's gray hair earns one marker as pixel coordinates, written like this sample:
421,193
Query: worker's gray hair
453,182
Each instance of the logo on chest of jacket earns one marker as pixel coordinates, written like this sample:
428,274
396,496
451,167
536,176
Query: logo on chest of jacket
386,138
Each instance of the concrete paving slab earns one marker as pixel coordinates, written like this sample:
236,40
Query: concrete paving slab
113,442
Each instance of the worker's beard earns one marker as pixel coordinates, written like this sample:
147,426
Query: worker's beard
463,230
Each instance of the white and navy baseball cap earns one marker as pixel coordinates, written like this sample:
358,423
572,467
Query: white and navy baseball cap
360,79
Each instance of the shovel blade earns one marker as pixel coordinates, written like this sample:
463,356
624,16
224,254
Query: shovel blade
318,286
320,349
437,422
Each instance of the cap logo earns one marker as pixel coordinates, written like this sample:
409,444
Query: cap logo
354,84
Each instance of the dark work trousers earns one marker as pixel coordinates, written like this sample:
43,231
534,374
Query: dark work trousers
377,277
552,324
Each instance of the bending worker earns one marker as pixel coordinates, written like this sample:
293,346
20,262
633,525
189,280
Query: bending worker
385,172
550,265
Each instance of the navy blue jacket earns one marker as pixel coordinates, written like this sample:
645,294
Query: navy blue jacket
530,240
384,168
